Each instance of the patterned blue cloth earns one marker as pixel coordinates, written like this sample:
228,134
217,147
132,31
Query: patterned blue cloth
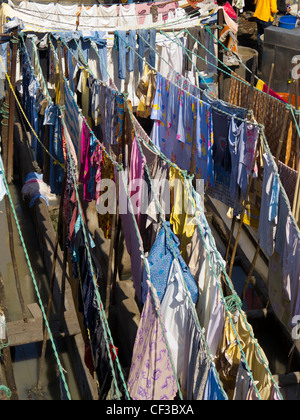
160,260
213,390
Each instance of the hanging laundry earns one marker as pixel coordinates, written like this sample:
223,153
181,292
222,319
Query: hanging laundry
264,88
243,383
279,300
146,41
132,236
87,172
88,305
230,356
73,120
206,274
108,16
159,261
222,115
107,172
216,323
143,13
269,207
3,191
229,39
170,54
52,119
283,212
196,40
288,178
146,92
125,44
173,129
291,268
127,16
66,16
89,18
175,308
137,168
196,363
213,390
159,174
151,376
237,139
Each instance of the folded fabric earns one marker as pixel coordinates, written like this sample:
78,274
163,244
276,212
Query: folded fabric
34,188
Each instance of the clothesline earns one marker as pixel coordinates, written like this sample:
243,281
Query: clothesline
61,369
77,25
144,257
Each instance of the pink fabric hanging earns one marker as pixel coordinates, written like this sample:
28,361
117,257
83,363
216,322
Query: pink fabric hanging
151,375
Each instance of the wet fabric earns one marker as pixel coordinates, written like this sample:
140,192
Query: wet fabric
146,37
291,268
174,111
196,363
269,207
137,168
230,356
213,390
237,145
151,376
175,309
221,153
160,260
181,217
87,172
52,119
126,46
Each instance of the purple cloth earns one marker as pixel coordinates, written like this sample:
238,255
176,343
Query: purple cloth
151,375
85,166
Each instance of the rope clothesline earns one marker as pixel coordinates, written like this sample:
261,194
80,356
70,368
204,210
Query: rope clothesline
178,168
120,168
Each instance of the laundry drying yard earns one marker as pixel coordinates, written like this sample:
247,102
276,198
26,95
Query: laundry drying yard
149,203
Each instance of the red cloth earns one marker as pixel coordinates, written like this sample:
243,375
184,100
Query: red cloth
229,10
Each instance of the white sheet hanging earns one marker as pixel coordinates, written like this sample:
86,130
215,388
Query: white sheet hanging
127,16
108,16
89,19
66,16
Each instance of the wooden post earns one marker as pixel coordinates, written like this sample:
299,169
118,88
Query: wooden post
242,216
111,254
10,152
251,92
284,127
13,258
8,367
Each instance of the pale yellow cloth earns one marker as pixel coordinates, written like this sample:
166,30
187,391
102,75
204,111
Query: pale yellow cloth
181,216
230,356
